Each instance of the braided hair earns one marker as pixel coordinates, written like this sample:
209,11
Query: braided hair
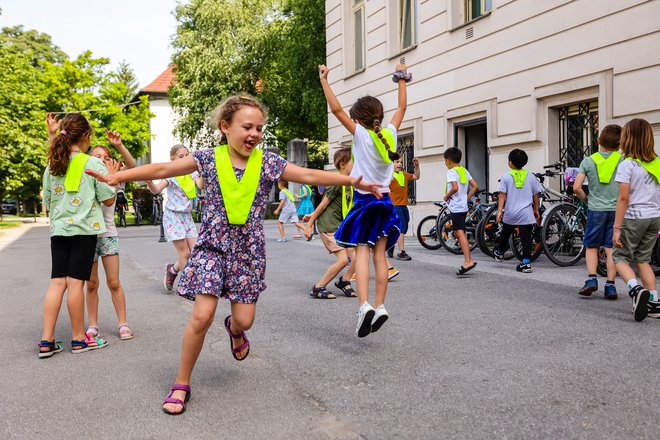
369,111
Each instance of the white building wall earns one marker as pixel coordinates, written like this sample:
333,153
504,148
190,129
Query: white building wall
523,60
161,125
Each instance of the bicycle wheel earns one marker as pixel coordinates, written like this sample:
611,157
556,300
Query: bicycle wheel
447,238
563,235
515,243
601,268
427,233
488,234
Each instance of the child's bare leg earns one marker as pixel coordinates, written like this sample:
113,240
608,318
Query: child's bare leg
351,268
280,226
93,296
591,257
380,266
193,339
400,243
300,227
334,269
625,271
242,318
611,268
647,275
111,266
52,305
465,247
183,253
362,254
75,303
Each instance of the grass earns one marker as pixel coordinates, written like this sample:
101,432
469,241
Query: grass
6,224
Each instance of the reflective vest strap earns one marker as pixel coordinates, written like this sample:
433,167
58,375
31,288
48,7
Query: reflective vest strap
238,197
606,167
187,184
346,200
400,178
653,167
75,172
462,174
389,137
519,177
289,195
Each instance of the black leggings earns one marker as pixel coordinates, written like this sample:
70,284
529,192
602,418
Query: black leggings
525,236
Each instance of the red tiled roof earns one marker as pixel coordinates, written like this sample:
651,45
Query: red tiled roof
162,83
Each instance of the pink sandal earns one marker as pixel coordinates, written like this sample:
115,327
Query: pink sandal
170,399
125,332
241,347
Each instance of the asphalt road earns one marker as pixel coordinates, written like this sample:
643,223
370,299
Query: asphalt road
492,355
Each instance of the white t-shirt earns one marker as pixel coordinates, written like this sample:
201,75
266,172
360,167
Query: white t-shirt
367,161
644,198
109,218
458,202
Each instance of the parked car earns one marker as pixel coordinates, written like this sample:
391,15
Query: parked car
9,207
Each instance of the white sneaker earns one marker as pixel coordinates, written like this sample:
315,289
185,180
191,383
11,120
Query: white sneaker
365,317
281,240
380,316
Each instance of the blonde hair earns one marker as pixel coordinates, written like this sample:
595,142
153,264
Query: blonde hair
175,149
225,111
637,140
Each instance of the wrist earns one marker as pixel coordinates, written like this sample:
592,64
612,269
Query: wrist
616,227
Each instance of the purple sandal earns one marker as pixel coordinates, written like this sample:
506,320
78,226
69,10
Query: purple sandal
240,348
170,399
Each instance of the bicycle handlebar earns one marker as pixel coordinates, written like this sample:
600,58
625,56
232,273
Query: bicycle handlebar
557,166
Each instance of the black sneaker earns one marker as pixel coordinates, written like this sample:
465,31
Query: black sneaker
640,298
390,252
403,256
654,309
524,268
499,256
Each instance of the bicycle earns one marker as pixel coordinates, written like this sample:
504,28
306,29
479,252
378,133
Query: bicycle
120,208
136,208
427,229
476,211
156,209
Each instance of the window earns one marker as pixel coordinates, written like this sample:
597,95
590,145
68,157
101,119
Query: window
407,23
476,8
578,132
358,34
406,148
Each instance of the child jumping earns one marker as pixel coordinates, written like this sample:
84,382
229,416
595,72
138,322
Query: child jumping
372,223
75,220
230,258
518,207
599,169
329,214
637,219
460,188
178,223
287,211
399,196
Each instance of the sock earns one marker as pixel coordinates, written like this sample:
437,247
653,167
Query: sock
654,295
174,269
632,283
526,261
593,275
609,282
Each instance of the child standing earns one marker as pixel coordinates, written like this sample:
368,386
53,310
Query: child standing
399,195
178,223
372,223
330,213
518,207
287,211
599,169
230,258
460,188
637,219
73,200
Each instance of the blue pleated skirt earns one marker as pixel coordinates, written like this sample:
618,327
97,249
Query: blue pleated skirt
368,220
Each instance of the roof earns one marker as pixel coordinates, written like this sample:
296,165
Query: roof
162,83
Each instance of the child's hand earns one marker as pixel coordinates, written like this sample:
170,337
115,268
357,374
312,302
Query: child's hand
309,230
110,179
446,198
276,212
616,238
113,166
53,123
401,67
415,161
306,218
537,215
113,137
372,188
498,219
323,71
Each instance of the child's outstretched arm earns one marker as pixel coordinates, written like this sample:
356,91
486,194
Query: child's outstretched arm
149,172
333,102
402,99
156,188
311,218
294,173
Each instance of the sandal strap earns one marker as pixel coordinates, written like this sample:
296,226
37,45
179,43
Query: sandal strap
44,343
241,347
78,343
228,328
174,401
180,387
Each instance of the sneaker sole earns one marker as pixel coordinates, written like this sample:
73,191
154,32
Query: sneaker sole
378,323
365,327
641,307
125,338
389,277
587,291
48,354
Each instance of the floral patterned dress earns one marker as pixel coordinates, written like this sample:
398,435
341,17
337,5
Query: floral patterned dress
229,261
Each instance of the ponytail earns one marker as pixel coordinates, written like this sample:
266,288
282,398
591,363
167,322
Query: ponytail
391,154
73,129
58,156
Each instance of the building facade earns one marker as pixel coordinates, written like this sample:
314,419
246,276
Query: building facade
494,75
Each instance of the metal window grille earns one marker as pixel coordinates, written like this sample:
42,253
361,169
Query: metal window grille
578,132
406,148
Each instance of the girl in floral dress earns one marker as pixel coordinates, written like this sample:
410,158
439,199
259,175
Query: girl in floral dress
229,259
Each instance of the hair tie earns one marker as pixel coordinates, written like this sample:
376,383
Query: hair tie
63,132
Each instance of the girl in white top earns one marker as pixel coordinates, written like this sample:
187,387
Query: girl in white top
372,224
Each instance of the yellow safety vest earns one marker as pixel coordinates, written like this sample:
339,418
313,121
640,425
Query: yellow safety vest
519,177
346,200
653,167
389,137
289,195
400,178
75,171
187,184
238,196
606,167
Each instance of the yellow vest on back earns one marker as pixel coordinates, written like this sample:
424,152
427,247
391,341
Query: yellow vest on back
606,167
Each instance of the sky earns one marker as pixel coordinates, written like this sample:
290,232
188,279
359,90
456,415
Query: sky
137,31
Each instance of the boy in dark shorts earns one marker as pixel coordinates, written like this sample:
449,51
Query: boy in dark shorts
599,169
399,196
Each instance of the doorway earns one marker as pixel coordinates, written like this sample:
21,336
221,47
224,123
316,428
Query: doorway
476,153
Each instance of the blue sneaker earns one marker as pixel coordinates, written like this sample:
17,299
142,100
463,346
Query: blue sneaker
610,291
590,286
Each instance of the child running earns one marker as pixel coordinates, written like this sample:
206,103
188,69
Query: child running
229,260
637,219
329,215
73,200
460,188
372,223
287,211
178,223
518,207
599,169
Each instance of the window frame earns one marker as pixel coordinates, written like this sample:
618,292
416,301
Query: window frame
411,22
486,6
358,6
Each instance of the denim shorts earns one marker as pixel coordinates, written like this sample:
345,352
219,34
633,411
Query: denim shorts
404,215
599,229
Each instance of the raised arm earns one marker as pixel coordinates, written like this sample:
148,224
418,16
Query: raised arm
114,138
402,99
294,173
333,102
416,173
53,126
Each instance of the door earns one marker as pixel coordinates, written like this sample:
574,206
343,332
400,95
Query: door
476,154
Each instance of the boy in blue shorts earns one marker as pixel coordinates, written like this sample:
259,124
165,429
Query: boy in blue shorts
599,169
518,207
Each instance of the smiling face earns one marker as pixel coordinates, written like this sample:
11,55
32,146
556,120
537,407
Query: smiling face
180,154
245,130
398,164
